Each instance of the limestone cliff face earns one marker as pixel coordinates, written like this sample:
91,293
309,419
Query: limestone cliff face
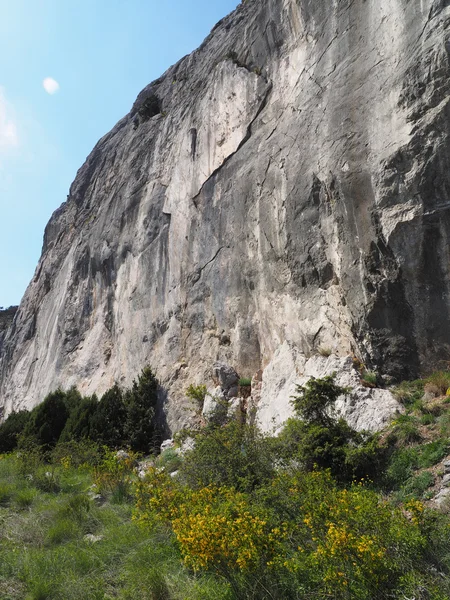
294,188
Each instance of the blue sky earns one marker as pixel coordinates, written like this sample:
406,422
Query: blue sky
96,56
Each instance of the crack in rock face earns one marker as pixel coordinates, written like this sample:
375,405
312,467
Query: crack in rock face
290,187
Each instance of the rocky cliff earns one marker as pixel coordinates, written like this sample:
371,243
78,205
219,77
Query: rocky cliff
284,186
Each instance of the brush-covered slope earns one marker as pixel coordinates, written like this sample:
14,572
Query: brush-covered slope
292,187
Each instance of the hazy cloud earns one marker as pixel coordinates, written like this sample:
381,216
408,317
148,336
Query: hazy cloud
8,129
51,86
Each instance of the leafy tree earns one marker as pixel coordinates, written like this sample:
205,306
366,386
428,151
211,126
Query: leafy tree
315,401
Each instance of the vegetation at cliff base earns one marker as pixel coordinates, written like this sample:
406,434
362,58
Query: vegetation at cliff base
321,511
120,418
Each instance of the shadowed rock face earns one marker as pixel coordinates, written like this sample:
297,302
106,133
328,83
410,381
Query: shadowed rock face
294,188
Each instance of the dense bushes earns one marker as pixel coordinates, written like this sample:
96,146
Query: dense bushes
11,429
297,535
120,418
252,517
319,439
290,517
235,455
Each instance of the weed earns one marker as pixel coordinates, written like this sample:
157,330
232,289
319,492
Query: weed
409,392
444,424
401,466
369,378
427,419
325,351
405,429
417,485
441,379
6,492
170,460
62,531
24,498
431,454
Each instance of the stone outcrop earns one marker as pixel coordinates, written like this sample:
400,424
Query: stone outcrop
363,408
6,318
287,183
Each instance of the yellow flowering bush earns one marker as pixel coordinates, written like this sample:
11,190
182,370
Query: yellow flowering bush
217,528
296,534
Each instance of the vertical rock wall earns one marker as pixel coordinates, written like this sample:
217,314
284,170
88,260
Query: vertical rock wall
293,189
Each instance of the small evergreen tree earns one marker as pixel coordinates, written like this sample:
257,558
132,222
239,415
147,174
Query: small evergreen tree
79,424
141,429
108,422
11,429
48,420
318,439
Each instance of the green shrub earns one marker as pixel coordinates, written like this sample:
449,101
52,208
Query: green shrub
441,379
418,484
369,377
405,429
235,455
76,453
409,392
6,493
76,507
245,382
432,453
321,440
24,498
402,464
444,424
297,536
197,393
169,460
114,475
347,453
427,419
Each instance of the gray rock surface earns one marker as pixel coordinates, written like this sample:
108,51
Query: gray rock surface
293,190
363,408
225,377
446,480
442,499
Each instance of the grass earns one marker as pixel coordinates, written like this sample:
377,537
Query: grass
170,460
406,429
245,382
369,377
440,379
409,392
45,554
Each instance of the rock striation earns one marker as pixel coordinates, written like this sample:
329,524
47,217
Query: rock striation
287,183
